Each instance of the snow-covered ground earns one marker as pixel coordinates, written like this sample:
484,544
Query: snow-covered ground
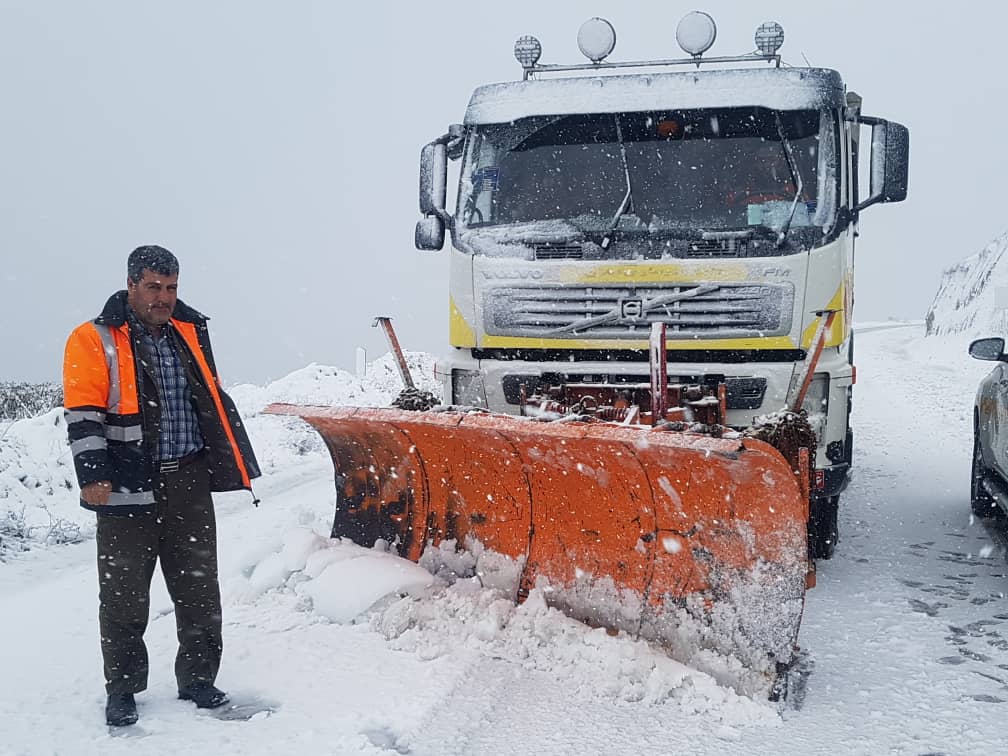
358,652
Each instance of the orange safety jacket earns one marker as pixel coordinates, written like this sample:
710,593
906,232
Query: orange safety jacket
113,409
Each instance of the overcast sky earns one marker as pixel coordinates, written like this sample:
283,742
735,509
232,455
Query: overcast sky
274,147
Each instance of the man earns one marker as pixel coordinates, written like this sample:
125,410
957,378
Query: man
152,434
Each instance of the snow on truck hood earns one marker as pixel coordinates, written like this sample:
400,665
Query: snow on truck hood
774,88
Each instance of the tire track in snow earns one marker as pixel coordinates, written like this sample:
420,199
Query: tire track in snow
909,621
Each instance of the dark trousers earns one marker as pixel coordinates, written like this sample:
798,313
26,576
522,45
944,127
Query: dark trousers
182,533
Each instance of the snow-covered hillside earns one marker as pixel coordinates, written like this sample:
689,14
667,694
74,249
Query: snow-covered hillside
356,651
973,296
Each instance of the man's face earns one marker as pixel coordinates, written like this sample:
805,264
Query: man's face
153,297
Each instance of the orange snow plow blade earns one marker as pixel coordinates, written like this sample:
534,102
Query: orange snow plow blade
694,542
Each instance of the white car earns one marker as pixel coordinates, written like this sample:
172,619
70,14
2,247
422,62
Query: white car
989,479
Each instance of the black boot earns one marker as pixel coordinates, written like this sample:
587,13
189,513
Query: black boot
120,710
204,694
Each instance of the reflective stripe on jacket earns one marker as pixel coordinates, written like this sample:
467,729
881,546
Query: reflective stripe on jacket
113,408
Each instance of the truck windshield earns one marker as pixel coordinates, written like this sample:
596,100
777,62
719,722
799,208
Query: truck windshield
685,172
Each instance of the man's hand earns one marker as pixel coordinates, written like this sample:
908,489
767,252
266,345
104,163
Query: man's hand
97,493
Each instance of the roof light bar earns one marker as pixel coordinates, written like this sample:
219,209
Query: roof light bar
695,34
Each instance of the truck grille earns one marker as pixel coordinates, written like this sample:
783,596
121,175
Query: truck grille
613,311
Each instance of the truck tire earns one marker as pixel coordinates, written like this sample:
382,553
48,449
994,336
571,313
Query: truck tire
822,528
982,503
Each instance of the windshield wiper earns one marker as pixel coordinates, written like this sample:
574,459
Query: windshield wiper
795,178
628,198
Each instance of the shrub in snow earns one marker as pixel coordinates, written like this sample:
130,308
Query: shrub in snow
21,400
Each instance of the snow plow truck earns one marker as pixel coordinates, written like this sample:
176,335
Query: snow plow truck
651,265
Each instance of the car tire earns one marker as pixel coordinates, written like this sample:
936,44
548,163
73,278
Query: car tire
981,501
823,533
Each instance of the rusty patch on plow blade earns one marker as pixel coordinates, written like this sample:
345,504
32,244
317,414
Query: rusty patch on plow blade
696,543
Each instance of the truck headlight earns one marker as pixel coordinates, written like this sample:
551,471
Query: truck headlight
816,405
468,388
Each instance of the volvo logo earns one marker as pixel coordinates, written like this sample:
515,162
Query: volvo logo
512,275
631,309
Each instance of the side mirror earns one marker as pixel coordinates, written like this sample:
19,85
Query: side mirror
890,161
433,178
430,233
430,230
988,349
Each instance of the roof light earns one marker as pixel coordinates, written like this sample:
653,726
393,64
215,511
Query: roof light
528,51
769,38
596,39
696,33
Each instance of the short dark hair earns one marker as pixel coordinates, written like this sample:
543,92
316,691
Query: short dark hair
153,258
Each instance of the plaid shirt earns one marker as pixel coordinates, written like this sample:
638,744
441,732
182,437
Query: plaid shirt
180,433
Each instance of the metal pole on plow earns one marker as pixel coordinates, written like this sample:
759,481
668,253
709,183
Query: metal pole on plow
802,379
386,324
659,373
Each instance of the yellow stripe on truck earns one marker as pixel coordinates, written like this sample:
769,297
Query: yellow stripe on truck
514,342
838,331
460,333
643,273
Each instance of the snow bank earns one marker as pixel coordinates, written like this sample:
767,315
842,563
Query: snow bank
280,442
38,488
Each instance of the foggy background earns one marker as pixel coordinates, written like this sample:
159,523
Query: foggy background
273,147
